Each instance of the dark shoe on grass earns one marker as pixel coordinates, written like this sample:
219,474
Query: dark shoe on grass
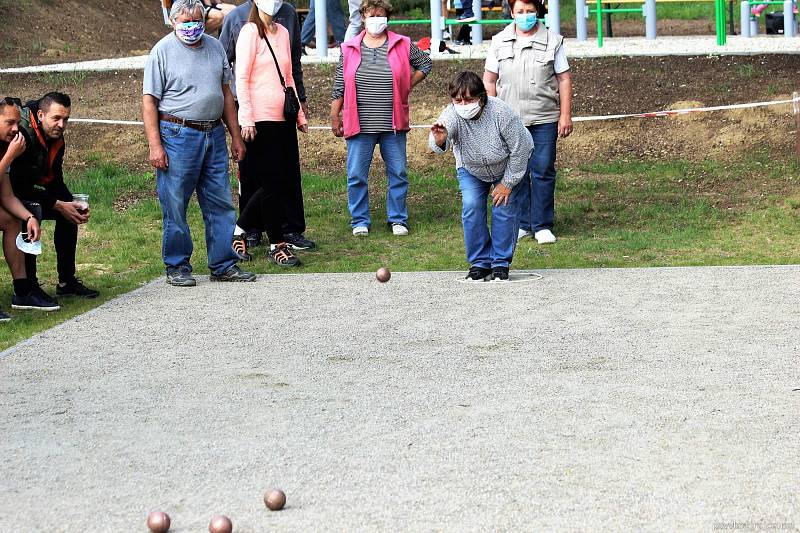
240,248
181,277
253,239
297,241
282,255
4,317
478,274
234,273
75,287
37,300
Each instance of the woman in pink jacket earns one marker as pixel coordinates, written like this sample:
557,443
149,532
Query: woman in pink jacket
272,159
376,72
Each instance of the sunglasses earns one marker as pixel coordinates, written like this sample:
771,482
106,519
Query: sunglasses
12,101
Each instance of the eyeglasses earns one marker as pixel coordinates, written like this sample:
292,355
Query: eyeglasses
12,101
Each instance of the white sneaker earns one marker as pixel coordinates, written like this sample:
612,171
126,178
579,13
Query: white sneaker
522,234
399,229
544,236
361,231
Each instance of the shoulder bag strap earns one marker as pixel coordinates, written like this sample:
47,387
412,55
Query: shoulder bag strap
274,59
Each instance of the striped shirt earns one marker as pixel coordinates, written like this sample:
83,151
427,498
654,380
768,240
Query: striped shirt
374,90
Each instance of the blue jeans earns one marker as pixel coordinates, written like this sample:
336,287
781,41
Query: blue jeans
198,161
333,9
486,249
359,158
537,199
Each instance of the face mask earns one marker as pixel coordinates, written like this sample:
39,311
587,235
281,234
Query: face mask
376,25
189,32
468,111
270,7
525,22
28,247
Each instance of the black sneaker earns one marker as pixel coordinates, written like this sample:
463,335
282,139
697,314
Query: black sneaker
253,239
240,248
500,274
234,273
75,288
281,255
297,241
36,299
4,317
478,274
181,277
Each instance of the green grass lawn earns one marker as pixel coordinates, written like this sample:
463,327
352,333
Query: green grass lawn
609,214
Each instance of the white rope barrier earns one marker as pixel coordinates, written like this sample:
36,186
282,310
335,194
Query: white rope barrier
665,113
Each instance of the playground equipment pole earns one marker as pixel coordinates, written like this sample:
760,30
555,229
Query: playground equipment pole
600,23
477,29
722,35
744,14
580,20
788,19
437,25
554,16
321,28
650,19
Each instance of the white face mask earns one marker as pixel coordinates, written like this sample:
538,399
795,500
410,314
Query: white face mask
270,7
376,25
468,111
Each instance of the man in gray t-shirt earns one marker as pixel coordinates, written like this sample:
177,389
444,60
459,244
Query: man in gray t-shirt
185,99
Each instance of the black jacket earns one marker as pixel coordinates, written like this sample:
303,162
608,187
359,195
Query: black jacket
37,175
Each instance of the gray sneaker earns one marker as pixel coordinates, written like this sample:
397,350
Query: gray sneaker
234,273
181,277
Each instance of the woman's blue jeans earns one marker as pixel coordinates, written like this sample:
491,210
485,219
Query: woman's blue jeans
485,249
198,161
537,197
359,158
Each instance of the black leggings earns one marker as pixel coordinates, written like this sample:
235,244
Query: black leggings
272,194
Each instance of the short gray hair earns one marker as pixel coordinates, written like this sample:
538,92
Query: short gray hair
180,7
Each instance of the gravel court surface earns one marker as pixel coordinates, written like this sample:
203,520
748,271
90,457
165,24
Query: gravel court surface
605,399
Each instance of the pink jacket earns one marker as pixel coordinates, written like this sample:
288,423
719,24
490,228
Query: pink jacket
258,86
398,52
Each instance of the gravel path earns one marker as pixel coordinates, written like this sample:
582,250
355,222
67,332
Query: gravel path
621,46
607,399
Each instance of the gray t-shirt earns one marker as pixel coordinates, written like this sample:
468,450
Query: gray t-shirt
187,80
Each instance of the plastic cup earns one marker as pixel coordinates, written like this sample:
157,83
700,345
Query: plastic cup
83,201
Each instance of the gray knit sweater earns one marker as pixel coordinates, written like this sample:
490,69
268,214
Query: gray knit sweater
493,145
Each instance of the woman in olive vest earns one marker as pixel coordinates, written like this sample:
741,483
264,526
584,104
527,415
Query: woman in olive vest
527,68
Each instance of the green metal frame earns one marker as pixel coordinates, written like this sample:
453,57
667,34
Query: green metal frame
719,15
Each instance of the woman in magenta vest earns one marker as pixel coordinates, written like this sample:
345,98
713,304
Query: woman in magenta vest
376,72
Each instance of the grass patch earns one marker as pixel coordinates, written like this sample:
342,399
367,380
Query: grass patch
609,214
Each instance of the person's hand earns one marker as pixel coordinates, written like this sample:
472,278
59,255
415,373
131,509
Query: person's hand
439,134
33,229
304,107
158,157
16,146
564,126
302,128
248,133
500,195
237,148
69,210
337,126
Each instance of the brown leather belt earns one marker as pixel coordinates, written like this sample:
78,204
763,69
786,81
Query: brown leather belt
201,125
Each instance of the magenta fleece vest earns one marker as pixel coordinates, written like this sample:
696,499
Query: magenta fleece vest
397,54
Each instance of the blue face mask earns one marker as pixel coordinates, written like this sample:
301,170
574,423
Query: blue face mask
525,22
